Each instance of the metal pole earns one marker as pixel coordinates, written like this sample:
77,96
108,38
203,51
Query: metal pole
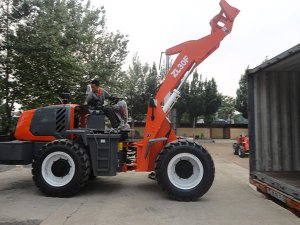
167,64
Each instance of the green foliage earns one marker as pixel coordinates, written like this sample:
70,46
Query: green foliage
141,84
69,47
212,100
241,103
227,108
135,88
195,103
53,46
12,13
183,103
198,99
151,82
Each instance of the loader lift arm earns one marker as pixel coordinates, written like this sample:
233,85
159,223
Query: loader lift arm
158,130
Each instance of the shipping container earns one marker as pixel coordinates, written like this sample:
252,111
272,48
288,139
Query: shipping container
274,127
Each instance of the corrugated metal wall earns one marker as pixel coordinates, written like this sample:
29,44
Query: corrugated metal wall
277,121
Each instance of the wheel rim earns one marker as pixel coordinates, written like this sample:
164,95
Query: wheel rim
58,169
185,171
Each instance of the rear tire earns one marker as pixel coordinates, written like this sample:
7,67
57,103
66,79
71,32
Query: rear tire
61,168
235,148
185,170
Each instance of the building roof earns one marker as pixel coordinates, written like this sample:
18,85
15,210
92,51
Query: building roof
288,60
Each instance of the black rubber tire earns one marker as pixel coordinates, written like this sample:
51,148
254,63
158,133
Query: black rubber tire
165,156
82,168
235,148
241,152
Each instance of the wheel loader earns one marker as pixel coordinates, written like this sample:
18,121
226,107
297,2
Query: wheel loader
66,151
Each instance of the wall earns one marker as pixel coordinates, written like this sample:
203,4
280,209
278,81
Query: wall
217,133
189,132
205,133
236,132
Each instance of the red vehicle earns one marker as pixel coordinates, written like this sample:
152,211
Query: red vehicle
241,148
65,154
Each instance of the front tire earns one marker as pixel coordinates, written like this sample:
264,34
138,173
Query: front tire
61,168
185,170
241,152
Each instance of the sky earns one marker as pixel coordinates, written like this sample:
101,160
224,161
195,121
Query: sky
263,29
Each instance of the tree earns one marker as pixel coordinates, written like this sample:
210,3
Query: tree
12,14
105,61
241,103
52,46
151,82
211,100
140,85
66,46
198,99
227,108
182,103
195,101
135,88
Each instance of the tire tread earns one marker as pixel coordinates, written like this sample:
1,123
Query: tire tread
161,180
84,164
